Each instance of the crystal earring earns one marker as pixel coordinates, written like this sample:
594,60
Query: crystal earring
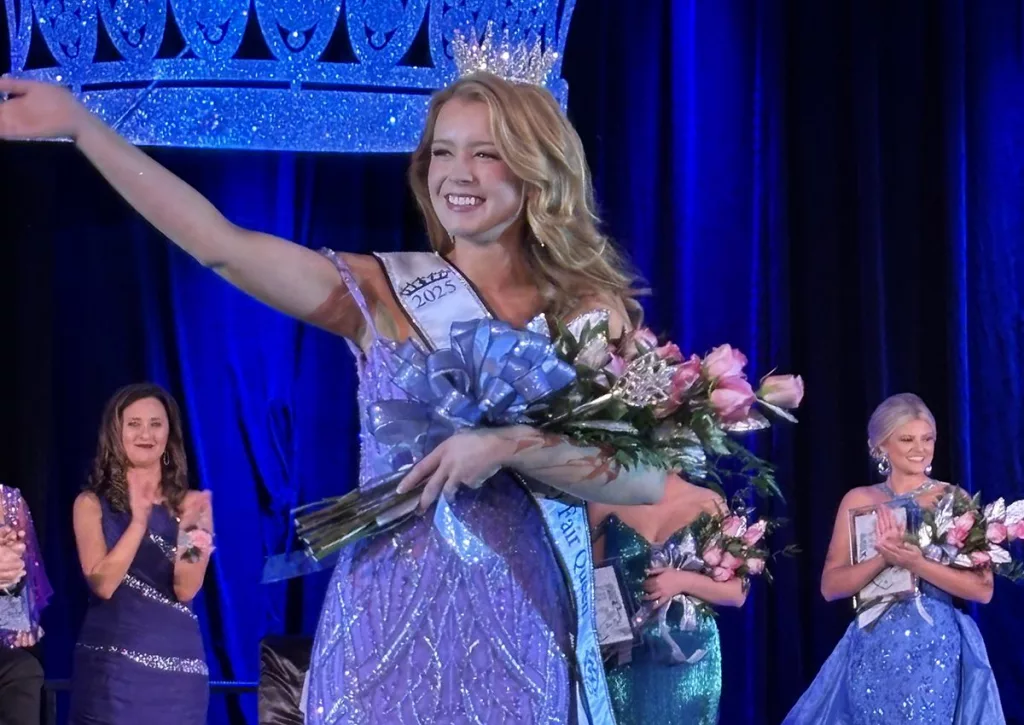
166,459
928,470
884,466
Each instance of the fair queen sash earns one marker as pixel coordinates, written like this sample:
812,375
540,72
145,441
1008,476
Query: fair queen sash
434,294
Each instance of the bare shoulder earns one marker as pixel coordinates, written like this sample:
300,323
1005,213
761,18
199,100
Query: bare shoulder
860,496
709,501
87,503
598,512
363,266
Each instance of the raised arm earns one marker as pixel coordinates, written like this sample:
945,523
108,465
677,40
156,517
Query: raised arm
840,578
285,276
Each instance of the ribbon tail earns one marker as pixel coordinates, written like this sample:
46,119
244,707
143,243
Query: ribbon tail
675,653
919,604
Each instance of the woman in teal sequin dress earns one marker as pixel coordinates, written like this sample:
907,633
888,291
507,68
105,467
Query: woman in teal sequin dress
922,660
654,686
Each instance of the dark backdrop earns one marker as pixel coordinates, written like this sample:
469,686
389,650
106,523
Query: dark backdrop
835,187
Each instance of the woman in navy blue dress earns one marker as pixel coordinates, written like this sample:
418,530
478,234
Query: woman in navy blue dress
144,542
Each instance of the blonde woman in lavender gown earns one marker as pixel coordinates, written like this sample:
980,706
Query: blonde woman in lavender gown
478,611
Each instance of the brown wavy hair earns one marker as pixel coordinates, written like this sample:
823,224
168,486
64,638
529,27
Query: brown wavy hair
564,246
109,467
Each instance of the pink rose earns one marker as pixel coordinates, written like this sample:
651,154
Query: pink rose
713,556
615,366
731,526
754,533
683,378
1015,531
730,562
669,353
957,535
785,391
755,566
980,559
732,398
720,574
996,532
724,362
638,342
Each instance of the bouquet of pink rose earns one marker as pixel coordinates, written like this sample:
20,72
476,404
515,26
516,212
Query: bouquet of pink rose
723,547
640,401
647,402
958,532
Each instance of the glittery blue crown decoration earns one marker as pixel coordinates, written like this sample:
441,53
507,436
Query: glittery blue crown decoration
286,94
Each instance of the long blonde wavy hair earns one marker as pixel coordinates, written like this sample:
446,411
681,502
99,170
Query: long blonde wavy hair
572,258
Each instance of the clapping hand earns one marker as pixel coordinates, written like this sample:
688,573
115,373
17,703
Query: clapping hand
12,556
890,543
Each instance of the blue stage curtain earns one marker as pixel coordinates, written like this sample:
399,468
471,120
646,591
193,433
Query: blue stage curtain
835,188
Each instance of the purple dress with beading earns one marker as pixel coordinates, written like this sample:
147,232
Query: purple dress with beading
458,616
139,657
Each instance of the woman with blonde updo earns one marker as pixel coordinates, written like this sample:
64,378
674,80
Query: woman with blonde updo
467,613
917,658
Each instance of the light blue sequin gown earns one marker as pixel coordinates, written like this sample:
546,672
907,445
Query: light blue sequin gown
651,689
923,661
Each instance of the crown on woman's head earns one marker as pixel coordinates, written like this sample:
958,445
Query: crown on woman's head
515,63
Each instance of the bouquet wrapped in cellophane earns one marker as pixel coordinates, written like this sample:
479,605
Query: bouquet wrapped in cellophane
647,403
642,402
959,532
724,546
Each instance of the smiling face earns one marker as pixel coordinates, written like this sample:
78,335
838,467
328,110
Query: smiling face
144,432
911,447
472,190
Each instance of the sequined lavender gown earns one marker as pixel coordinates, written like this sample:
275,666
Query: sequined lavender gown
139,658
459,616
923,661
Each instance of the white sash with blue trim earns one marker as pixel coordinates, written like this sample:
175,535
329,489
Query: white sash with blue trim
434,295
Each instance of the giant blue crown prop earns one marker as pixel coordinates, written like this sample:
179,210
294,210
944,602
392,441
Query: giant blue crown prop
207,96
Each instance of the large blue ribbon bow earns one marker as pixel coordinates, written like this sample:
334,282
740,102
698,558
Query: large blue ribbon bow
492,375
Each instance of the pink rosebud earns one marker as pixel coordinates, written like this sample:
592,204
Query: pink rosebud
754,533
720,574
724,362
638,342
785,391
980,559
669,353
732,398
755,566
731,526
683,379
996,533
713,556
962,526
730,562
